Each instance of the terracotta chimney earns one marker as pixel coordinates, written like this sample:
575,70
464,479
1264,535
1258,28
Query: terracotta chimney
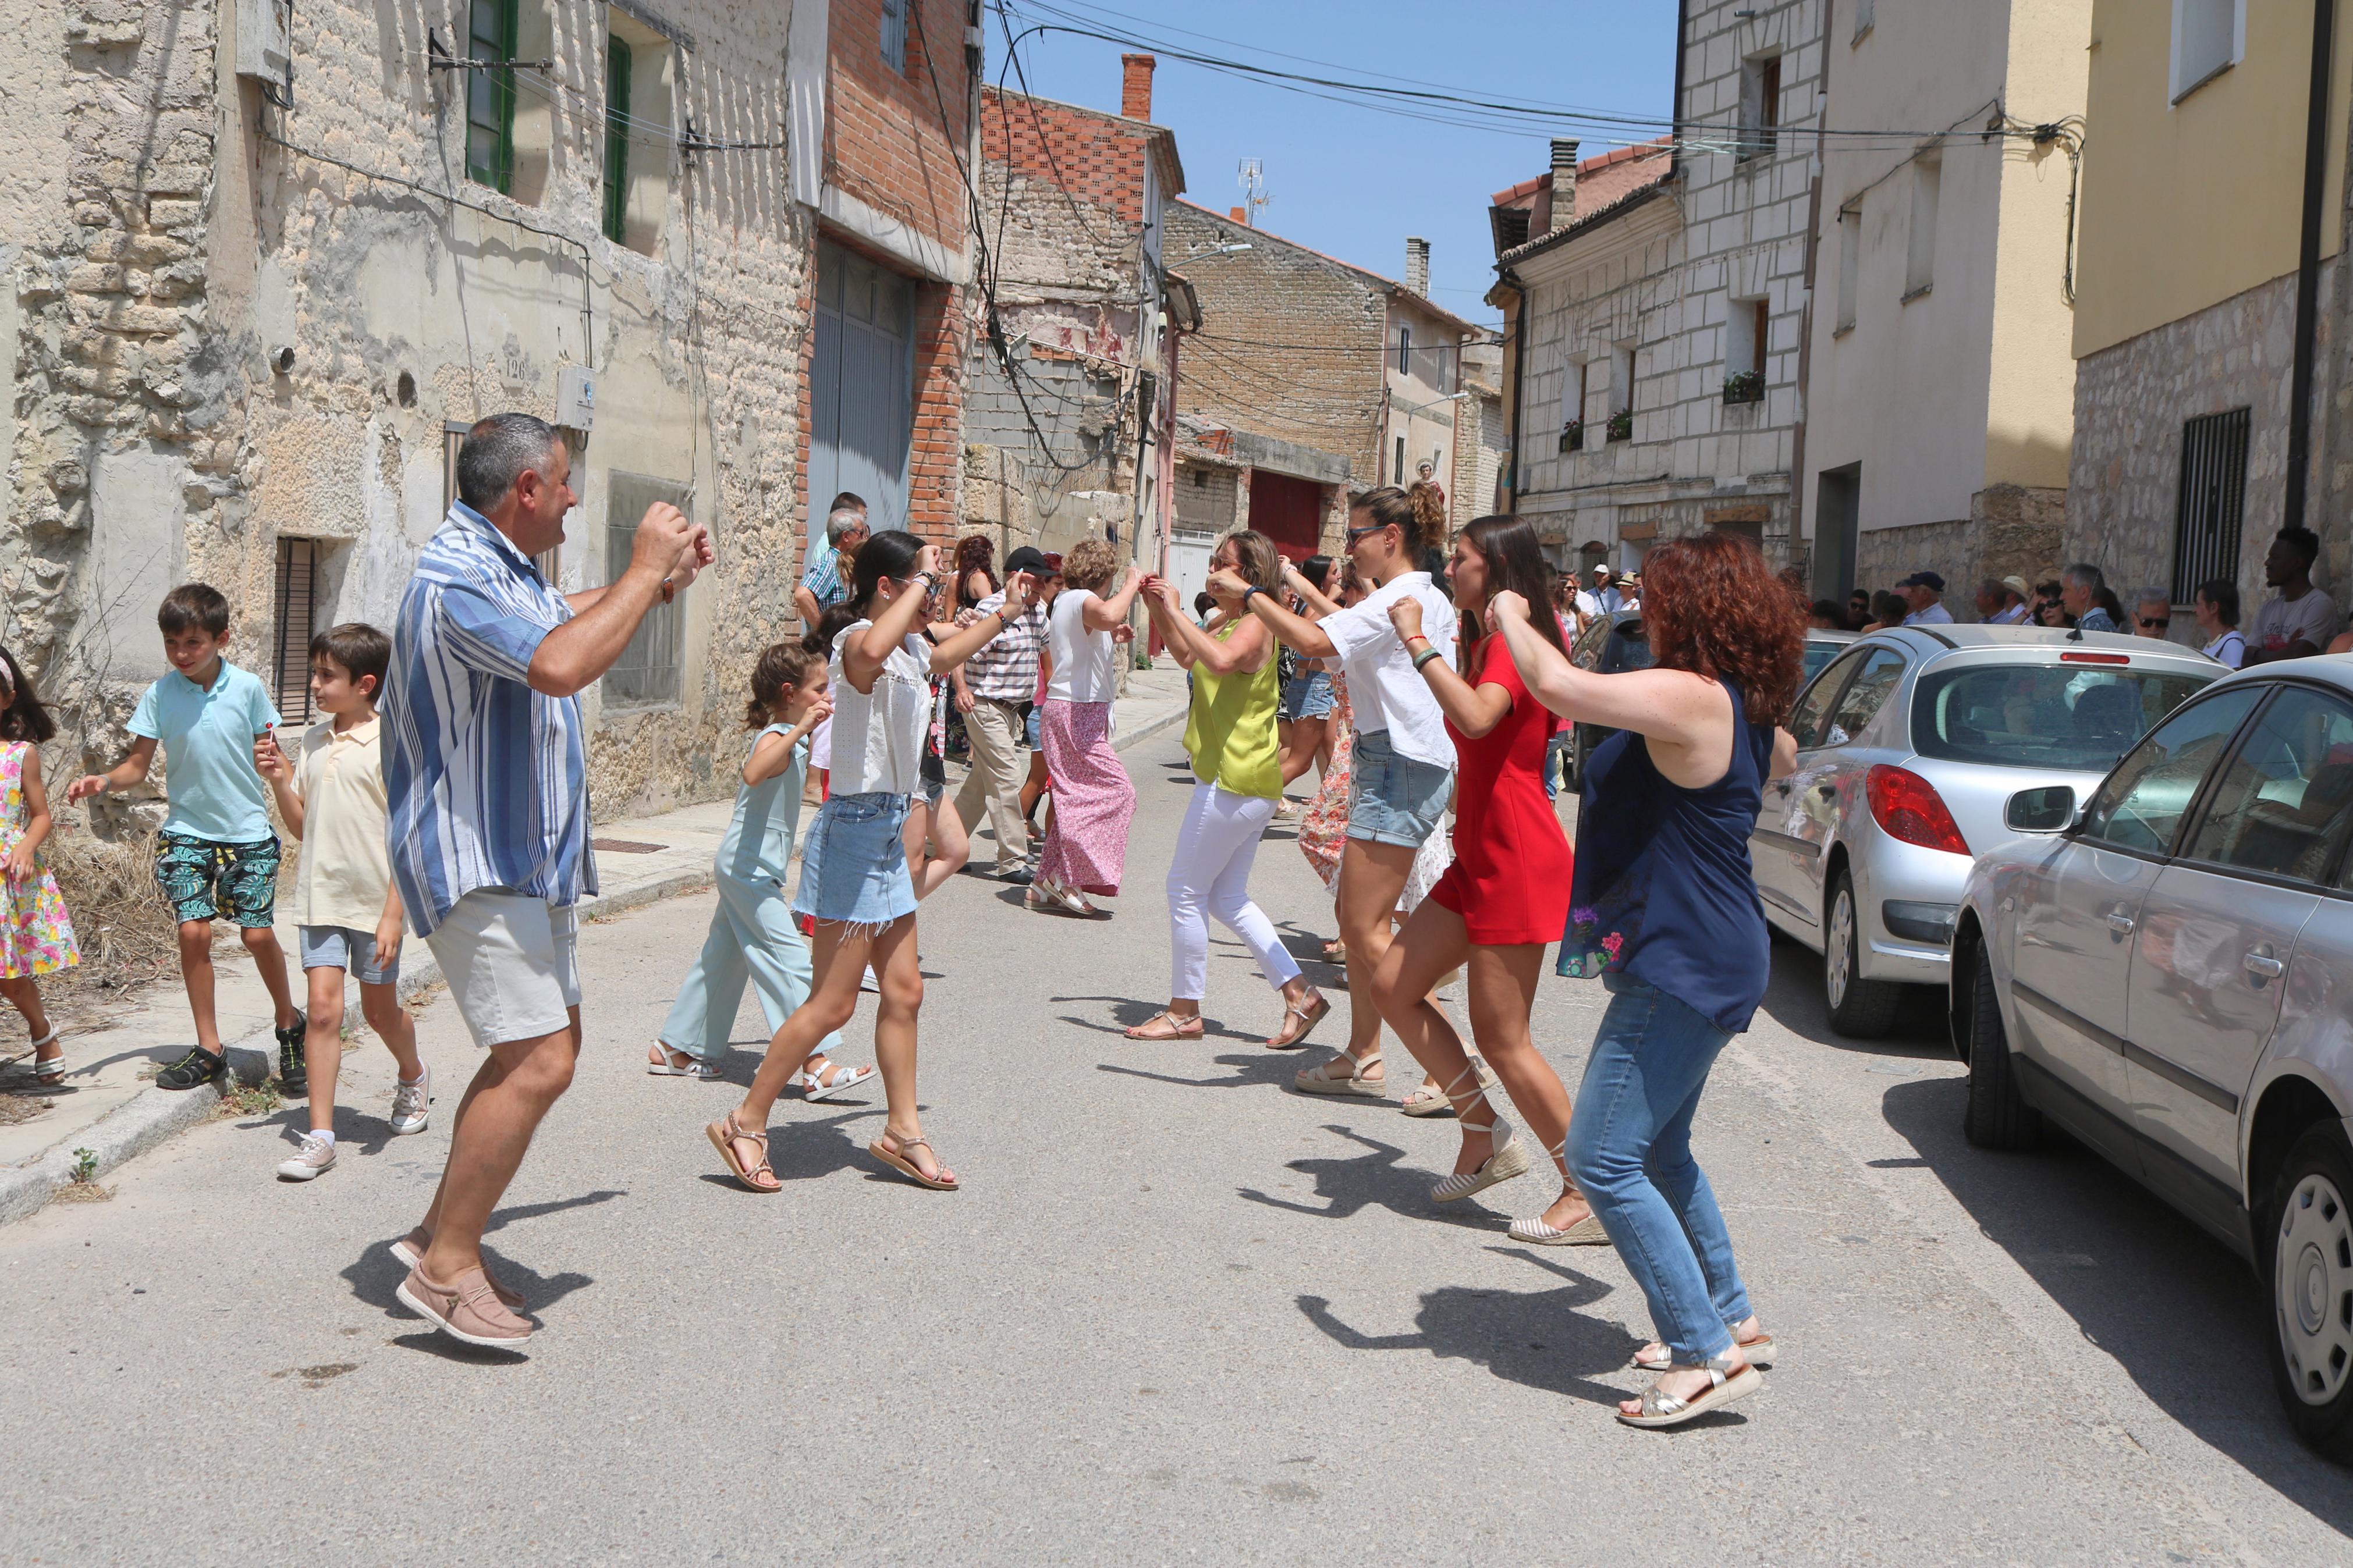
1417,266
1240,215
1136,86
1564,183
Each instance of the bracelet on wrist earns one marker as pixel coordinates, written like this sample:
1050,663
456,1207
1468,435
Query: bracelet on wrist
1424,656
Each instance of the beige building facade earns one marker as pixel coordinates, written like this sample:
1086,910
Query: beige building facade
1939,387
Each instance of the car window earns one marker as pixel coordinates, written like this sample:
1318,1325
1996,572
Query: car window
1806,718
1627,648
1587,651
1882,667
2042,715
2285,799
2142,803
1819,651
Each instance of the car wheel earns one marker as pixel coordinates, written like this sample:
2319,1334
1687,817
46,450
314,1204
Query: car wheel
1859,1009
1997,1117
2308,1264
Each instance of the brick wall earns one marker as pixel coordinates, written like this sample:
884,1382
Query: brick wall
891,138
1289,344
1096,158
934,458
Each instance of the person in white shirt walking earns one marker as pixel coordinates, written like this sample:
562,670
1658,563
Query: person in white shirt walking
1086,843
1404,759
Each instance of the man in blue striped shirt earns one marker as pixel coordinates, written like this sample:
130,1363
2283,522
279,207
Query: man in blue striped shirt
486,778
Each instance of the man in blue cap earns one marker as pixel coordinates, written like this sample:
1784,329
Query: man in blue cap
1922,591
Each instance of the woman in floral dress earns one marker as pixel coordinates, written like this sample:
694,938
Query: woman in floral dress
36,937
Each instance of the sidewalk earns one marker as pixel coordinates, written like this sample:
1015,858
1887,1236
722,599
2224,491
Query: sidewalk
107,1107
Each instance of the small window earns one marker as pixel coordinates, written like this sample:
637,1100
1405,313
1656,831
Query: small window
1398,476
1621,379
2284,805
1748,330
895,32
1760,106
1873,684
1850,264
2212,502
2141,804
298,605
1404,351
1864,14
2209,36
1920,251
490,95
1574,383
648,669
1807,720
1200,479
616,138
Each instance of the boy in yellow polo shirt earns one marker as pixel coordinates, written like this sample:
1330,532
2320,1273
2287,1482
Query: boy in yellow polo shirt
332,797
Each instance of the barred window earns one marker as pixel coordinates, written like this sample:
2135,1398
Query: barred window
2213,501
298,603
648,669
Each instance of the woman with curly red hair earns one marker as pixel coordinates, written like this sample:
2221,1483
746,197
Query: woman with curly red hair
1664,908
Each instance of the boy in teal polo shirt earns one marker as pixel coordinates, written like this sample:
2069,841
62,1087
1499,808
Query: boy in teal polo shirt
216,855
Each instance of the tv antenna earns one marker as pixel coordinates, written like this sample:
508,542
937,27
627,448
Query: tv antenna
1251,174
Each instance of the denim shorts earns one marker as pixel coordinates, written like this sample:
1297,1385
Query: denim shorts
203,880
342,947
1394,799
854,863
1036,719
1308,696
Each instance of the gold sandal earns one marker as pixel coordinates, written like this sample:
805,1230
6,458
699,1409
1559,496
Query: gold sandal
723,1134
1318,1004
1177,1029
908,1168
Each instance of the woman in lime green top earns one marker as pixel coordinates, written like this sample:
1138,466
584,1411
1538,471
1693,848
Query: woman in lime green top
1238,778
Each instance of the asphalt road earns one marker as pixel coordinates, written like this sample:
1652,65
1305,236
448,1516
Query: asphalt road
1178,1315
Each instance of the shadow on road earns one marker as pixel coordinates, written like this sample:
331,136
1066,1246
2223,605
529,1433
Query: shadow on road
1373,1179
1794,1001
2181,1314
376,1274
1491,1328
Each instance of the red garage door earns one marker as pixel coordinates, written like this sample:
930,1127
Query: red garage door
1287,510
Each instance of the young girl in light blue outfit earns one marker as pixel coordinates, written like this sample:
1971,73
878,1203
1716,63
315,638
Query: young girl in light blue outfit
753,937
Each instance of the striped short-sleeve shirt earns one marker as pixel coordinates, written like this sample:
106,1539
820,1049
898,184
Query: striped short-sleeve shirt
486,780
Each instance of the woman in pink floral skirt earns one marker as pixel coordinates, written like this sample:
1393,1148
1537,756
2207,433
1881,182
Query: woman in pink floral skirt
1086,838
36,937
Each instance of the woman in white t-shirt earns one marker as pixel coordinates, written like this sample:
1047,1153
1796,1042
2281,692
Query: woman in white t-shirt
2218,622
855,884
1086,839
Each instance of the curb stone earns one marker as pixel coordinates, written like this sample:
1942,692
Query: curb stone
155,1115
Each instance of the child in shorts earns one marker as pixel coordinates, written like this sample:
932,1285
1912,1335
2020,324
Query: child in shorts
215,857
330,794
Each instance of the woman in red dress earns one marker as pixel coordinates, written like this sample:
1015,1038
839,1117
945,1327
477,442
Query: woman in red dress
1505,895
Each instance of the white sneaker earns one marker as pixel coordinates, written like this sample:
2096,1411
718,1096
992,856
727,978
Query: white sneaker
316,1157
410,1103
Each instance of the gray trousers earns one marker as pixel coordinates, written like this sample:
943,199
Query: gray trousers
993,727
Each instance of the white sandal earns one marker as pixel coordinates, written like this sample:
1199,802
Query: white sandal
693,1067
1321,1079
1724,1387
1429,1100
843,1078
1758,1352
1507,1157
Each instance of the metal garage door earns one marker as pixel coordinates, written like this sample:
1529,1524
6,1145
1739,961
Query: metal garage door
862,379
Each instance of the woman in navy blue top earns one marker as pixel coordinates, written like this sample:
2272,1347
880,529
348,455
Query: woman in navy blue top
1663,909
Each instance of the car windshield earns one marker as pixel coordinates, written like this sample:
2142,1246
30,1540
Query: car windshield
2042,715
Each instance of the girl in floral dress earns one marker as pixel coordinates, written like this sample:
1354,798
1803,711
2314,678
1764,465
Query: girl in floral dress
36,936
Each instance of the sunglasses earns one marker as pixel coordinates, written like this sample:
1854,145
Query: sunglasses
1357,533
2157,624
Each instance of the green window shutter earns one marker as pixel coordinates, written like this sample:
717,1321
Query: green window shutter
490,95
616,136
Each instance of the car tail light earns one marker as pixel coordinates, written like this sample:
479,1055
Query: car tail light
1907,807
2095,658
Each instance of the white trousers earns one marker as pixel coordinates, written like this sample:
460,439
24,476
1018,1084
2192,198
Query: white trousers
1210,875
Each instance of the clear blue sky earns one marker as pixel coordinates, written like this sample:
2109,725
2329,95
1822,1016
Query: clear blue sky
1353,181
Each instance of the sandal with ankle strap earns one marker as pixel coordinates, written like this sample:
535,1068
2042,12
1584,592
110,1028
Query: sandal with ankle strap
723,1134
1176,1027
1586,1232
1429,1100
1321,1079
1758,1352
907,1167
1506,1157
1725,1385
1318,1004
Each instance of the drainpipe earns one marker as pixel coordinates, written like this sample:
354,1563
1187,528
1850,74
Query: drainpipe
1675,113
2307,265
1805,326
1519,383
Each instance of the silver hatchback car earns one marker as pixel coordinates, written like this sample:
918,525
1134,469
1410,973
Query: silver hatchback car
1909,743
2164,966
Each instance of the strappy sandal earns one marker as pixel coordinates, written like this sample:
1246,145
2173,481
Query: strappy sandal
812,1087
1318,1004
1507,1157
1176,1027
1429,1100
669,1067
1758,1352
907,1167
1321,1079
52,1070
1724,1385
724,1133
1586,1232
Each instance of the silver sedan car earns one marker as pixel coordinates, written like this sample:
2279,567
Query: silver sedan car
2163,966
1909,743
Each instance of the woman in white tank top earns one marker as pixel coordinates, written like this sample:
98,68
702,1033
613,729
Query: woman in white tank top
854,877
1086,842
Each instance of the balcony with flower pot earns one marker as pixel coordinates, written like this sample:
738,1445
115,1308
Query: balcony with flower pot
1621,425
1572,436
1743,386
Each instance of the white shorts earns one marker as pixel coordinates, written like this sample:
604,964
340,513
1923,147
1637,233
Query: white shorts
512,964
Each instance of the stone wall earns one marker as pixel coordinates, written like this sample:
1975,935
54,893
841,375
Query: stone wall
197,230
2010,529
2131,401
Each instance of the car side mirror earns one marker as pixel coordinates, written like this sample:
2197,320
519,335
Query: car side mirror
2051,809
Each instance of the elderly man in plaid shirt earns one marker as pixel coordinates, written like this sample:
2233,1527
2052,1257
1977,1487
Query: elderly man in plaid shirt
991,688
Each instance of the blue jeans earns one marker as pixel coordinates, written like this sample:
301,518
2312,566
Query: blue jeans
1630,1150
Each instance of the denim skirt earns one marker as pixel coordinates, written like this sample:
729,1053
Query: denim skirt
854,864
1308,696
1394,799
